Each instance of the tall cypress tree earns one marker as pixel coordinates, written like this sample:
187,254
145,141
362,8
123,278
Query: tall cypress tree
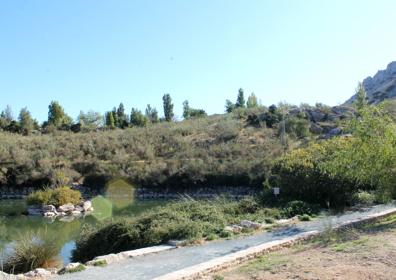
121,116
240,103
168,107
186,110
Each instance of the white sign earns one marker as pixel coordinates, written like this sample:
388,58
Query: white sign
276,191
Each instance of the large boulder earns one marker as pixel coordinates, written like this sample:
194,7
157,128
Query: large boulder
66,208
87,205
316,115
315,128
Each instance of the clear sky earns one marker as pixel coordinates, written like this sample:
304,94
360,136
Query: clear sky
93,54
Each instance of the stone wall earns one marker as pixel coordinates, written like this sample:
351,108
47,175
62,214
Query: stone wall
148,193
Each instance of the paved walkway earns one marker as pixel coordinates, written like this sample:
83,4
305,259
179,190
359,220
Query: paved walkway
152,266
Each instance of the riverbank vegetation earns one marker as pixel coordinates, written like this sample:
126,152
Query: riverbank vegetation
30,251
57,197
189,220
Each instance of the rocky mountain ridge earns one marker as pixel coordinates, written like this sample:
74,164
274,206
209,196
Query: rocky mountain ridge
380,87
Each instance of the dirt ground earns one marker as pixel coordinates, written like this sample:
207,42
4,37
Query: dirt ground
365,253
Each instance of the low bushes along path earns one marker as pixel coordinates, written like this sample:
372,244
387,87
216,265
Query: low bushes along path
156,265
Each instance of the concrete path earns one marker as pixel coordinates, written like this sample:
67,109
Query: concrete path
156,265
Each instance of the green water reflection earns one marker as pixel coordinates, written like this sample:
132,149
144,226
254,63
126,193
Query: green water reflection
118,201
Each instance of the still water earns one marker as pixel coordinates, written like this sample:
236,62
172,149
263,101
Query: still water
117,202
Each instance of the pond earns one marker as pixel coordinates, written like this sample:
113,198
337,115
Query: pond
116,202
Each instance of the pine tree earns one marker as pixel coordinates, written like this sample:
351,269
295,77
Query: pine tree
115,117
240,100
110,123
229,106
168,107
186,110
121,116
252,101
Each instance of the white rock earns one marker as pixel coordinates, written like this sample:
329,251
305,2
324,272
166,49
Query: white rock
250,224
87,205
49,208
79,208
233,228
66,208
6,276
49,214
76,213
38,272
112,258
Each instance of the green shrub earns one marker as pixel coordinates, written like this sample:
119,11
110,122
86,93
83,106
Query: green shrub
304,218
297,207
269,220
211,237
79,268
57,197
363,198
188,220
225,234
41,197
100,263
31,251
63,195
302,175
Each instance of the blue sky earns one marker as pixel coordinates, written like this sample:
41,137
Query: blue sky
93,54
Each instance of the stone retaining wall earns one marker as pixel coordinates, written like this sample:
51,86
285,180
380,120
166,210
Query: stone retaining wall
148,193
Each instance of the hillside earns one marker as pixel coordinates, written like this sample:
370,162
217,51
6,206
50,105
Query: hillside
218,150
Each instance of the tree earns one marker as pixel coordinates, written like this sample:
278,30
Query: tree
186,110
6,117
252,101
121,116
26,121
240,103
361,97
115,116
152,114
57,116
110,120
168,107
137,118
197,113
91,120
229,106
7,113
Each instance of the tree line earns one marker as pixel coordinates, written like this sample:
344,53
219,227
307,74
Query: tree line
58,119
